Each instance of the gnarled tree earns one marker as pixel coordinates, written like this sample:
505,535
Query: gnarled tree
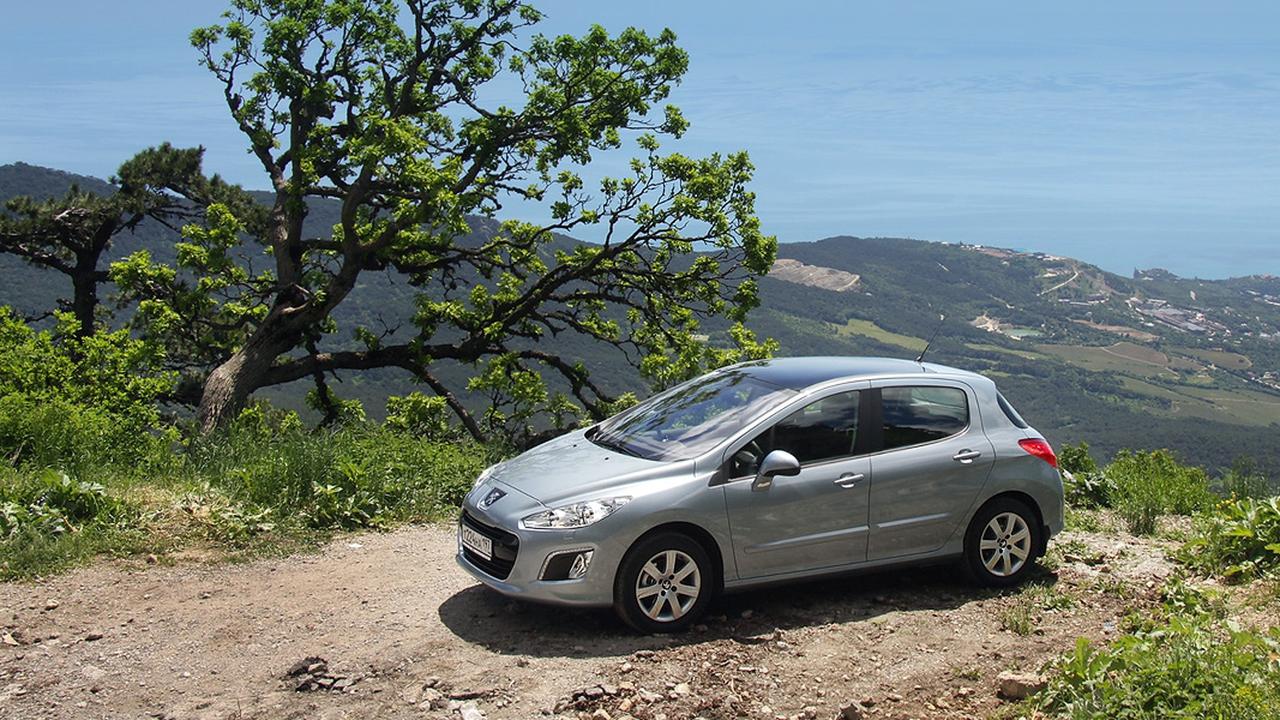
385,107
72,234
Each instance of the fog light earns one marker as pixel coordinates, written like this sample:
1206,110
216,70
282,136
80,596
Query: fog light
569,565
580,565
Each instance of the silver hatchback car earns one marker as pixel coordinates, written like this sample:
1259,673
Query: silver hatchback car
764,472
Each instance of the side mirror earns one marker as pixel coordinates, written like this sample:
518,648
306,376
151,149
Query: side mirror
778,462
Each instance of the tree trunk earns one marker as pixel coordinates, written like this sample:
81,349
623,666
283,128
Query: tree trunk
227,389
84,300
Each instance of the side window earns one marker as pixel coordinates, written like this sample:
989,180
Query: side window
914,415
822,430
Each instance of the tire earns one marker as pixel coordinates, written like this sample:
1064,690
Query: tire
644,594
999,531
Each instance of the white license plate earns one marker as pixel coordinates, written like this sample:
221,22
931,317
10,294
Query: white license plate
477,543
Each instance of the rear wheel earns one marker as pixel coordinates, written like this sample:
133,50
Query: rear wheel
664,584
1002,543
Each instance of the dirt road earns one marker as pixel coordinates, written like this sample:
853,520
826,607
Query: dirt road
404,633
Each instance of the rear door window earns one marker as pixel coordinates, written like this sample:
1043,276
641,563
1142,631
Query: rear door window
914,415
1010,413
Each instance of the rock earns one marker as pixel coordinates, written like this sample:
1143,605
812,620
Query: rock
609,689
9,639
93,636
681,689
593,693
627,667
306,665
1018,686
851,712
152,559
601,714
868,702
51,605
469,711
625,706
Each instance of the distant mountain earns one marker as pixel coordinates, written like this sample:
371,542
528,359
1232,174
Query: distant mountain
1149,361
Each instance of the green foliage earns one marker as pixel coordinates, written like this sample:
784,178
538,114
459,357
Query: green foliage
382,107
1076,459
1244,479
52,503
1150,484
116,375
427,416
1238,539
1188,664
47,519
255,476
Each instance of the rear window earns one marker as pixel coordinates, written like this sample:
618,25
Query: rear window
1010,413
920,414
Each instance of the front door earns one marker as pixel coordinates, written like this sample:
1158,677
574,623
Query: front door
933,463
809,521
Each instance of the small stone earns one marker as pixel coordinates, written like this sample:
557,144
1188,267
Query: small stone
152,559
868,702
626,705
522,662
91,637
627,667
51,605
609,689
1018,686
469,711
894,697
851,712
746,614
601,714
681,689
9,639
593,693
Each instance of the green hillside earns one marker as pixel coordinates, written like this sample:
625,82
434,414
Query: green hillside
1086,355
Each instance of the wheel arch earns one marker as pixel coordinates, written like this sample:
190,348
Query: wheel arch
1025,499
699,535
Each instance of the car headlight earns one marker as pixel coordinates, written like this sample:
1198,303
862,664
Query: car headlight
483,476
577,515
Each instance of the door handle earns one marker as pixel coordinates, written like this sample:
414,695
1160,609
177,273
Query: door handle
848,480
966,456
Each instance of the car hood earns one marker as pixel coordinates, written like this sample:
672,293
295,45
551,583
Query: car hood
572,467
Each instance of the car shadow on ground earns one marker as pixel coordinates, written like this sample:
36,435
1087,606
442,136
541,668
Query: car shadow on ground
483,617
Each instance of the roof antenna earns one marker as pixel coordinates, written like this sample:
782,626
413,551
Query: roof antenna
920,357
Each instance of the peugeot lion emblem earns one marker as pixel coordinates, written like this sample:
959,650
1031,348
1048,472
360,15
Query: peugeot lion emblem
494,496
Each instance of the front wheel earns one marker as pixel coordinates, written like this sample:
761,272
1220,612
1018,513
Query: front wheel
1001,543
664,584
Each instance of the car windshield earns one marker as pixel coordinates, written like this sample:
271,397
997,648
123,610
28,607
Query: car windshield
690,419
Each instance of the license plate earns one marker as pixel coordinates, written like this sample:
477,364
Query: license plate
477,543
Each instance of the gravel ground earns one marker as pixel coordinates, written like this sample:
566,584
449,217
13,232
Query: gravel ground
385,625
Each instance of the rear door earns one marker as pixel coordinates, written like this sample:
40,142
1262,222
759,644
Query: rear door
812,520
932,463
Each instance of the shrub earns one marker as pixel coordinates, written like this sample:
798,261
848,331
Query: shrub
1150,484
1239,539
1083,484
1190,664
1244,479
111,372
48,520
55,433
353,476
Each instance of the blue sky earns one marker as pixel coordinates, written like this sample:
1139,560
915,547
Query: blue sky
1129,134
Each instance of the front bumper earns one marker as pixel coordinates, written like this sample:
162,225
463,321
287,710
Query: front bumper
535,547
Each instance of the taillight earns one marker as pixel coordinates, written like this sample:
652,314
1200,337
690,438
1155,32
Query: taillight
1040,448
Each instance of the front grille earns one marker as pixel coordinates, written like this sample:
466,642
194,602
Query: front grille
505,548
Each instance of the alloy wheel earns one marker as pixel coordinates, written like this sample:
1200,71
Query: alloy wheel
1005,544
668,585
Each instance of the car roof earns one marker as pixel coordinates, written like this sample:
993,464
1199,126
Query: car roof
798,373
